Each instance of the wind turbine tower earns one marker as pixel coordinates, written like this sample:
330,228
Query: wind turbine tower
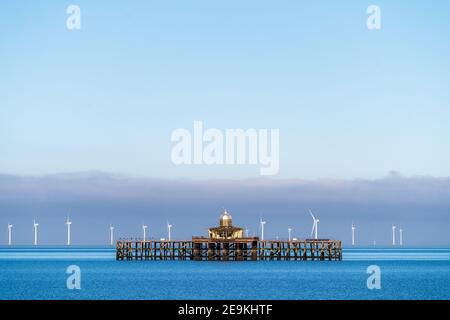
169,228
289,233
144,229
10,226
353,234
262,224
315,225
393,235
69,226
35,227
401,236
111,234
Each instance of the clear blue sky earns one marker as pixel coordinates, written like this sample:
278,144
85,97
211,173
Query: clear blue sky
349,102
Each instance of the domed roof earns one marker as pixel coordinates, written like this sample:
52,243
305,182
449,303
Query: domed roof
225,219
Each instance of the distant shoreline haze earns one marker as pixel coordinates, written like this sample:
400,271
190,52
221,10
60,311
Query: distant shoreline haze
94,200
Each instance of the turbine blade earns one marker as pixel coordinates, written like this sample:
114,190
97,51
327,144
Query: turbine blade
310,212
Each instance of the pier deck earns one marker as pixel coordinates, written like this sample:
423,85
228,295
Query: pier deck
240,249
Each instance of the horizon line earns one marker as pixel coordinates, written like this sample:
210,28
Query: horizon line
392,174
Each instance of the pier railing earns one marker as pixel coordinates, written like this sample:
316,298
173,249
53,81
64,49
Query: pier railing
242,249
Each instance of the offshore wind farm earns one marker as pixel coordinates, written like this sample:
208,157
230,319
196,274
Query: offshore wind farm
314,235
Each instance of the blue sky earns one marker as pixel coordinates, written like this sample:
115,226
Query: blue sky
349,102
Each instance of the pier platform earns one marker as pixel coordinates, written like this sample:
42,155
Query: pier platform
237,249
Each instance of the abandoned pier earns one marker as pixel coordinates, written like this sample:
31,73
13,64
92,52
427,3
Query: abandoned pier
226,243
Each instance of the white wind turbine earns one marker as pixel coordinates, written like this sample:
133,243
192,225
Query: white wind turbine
144,229
69,227
401,236
315,225
289,233
353,234
35,227
169,228
393,235
10,226
111,234
262,223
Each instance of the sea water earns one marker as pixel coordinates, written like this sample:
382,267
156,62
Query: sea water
40,273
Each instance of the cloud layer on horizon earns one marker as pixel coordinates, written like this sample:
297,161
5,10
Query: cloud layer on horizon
420,204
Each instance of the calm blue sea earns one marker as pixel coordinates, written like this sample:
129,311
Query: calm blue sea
40,273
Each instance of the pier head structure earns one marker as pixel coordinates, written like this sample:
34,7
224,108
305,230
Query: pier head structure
227,243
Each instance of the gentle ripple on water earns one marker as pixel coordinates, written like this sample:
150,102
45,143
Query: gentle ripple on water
40,273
